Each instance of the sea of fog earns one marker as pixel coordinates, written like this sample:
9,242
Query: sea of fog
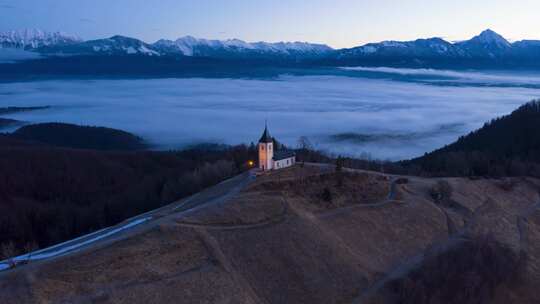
382,113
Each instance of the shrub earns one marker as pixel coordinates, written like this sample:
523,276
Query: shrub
8,250
507,184
469,273
326,195
402,180
441,191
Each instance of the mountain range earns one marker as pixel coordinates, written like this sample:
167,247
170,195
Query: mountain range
486,49
60,44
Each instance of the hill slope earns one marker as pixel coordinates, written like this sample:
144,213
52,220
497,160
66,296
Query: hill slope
509,145
281,241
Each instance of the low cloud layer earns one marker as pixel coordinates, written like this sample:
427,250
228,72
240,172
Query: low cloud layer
12,55
347,115
463,77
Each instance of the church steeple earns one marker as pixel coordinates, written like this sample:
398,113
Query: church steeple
266,150
266,138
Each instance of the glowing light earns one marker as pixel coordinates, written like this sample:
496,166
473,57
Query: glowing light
251,163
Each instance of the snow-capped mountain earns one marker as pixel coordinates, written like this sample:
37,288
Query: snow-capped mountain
60,44
433,47
190,46
116,45
485,49
488,49
29,39
488,43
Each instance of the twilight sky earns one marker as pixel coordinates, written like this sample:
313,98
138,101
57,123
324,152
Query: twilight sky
338,23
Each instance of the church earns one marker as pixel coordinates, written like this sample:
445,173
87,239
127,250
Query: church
270,159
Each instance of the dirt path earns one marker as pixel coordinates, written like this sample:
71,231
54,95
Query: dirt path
404,269
522,224
217,253
281,217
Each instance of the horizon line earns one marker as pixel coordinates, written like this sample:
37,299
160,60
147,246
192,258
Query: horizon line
360,44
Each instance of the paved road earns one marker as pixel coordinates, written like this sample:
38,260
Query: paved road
214,195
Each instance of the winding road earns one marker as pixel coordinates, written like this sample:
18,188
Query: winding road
211,196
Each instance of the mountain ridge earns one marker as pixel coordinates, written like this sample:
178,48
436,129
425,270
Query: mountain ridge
34,38
486,49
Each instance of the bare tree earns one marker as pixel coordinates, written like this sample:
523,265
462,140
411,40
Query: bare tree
8,252
339,170
304,143
29,248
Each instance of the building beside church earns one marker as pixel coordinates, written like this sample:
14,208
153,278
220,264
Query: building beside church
270,159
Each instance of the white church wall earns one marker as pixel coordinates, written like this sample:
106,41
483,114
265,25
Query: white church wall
284,163
266,152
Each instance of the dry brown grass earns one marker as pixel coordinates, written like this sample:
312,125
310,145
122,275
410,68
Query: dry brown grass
155,267
306,252
247,209
326,190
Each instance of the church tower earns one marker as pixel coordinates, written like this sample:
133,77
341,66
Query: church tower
266,150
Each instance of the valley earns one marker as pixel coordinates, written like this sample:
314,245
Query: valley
367,114
399,161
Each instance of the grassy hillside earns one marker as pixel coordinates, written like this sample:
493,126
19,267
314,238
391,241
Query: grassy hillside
282,240
6,122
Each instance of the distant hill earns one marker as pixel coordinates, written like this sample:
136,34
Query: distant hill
5,122
509,145
10,110
80,137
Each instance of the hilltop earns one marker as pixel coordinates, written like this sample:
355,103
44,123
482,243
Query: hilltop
282,239
312,233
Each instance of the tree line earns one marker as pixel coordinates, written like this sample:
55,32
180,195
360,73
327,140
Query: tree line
51,194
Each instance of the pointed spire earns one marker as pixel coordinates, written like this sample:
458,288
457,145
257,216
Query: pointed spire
265,138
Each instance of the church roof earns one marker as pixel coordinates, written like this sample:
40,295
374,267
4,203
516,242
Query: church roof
283,154
266,138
